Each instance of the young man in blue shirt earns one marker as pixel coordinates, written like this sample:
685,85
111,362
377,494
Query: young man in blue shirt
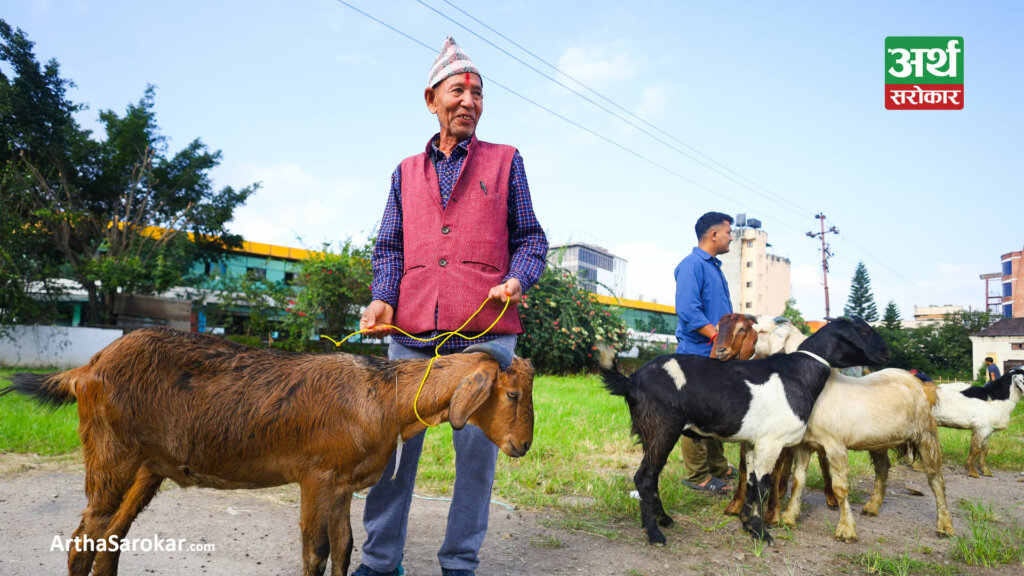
702,298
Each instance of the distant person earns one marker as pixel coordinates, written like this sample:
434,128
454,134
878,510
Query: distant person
992,369
702,298
921,376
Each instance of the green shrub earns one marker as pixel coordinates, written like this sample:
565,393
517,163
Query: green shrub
563,324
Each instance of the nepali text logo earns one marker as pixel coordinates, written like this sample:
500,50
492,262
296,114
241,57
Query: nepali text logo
924,73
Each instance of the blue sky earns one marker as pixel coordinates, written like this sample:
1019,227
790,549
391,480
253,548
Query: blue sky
319,104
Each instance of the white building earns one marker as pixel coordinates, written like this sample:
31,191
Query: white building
1003,341
759,281
602,272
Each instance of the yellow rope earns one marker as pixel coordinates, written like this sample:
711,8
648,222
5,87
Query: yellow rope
437,349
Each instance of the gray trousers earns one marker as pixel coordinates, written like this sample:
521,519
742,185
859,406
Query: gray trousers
386,516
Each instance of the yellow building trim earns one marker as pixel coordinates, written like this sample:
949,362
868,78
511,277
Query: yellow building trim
635,304
250,248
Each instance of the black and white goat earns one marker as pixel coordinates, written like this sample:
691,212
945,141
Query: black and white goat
980,409
764,402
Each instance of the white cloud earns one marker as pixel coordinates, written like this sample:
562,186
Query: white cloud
649,271
653,101
806,288
597,67
294,203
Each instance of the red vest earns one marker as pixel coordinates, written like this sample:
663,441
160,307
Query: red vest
455,255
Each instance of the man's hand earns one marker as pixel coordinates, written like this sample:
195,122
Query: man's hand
511,291
376,315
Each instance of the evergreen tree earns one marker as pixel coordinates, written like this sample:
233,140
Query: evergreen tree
891,318
862,301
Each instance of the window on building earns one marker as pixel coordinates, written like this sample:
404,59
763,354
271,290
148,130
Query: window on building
258,273
1007,289
750,284
1007,267
750,264
1008,310
748,305
603,261
289,278
749,243
1017,346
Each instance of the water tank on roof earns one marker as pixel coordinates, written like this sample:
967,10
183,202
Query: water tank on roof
754,223
741,220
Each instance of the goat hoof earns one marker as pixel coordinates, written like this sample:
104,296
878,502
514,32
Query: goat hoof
733,509
765,538
987,473
867,512
973,474
848,538
655,538
666,521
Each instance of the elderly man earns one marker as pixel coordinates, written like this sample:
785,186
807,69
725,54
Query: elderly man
702,298
458,228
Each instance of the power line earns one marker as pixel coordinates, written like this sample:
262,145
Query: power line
556,114
593,132
791,207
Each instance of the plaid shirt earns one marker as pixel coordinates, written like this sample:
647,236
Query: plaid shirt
527,243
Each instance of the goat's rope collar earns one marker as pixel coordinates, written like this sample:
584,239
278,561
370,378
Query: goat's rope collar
816,357
437,350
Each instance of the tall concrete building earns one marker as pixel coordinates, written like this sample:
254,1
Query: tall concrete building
759,281
1013,284
602,272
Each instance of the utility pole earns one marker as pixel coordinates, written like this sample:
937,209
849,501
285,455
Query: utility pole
825,255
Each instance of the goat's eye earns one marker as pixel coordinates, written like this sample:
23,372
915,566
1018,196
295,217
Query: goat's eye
512,395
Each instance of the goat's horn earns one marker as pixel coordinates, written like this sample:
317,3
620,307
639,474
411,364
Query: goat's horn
781,320
500,354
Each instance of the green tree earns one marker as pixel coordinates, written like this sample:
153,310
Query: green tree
332,289
116,208
950,348
250,305
861,301
796,317
36,121
563,324
891,318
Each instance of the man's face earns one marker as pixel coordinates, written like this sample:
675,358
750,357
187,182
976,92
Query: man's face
458,102
721,236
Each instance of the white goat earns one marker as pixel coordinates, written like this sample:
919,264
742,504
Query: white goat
980,409
880,411
883,410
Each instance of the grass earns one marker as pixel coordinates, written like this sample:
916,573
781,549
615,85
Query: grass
581,463
989,541
875,562
24,427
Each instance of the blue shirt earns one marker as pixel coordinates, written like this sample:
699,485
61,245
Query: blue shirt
528,245
702,298
993,369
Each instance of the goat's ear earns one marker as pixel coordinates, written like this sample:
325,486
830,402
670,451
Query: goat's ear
470,394
748,345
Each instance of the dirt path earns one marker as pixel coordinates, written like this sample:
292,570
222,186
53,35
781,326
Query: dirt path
256,532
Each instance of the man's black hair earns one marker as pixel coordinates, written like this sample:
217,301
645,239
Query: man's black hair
708,220
989,359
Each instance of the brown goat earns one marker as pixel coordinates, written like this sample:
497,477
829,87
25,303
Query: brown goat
738,339
160,403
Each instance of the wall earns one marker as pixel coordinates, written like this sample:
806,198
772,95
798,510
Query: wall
999,348
53,346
